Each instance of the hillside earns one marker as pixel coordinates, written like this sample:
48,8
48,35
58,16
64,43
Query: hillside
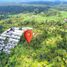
48,46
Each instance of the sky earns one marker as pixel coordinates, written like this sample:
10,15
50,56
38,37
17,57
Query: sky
27,0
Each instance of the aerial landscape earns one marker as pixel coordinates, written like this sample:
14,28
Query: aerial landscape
46,20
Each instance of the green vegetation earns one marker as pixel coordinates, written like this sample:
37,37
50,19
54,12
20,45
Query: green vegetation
48,47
